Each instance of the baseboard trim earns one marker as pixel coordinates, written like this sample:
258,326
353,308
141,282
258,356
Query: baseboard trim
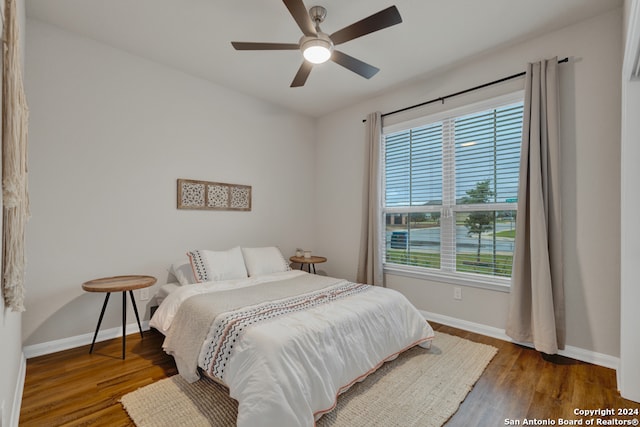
577,353
49,347
17,394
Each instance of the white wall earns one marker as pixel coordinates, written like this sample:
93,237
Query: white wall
110,133
629,373
11,356
590,116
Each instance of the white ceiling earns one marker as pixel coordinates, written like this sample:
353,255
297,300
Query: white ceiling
194,35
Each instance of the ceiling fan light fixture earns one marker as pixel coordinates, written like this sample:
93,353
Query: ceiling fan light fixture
316,49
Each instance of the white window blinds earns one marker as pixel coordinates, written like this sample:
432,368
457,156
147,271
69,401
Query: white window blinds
450,192
413,167
487,147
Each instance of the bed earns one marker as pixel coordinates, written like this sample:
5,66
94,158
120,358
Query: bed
284,342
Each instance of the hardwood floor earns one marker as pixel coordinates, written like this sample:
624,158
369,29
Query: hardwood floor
74,388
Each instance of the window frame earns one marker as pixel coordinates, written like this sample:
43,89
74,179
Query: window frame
453,277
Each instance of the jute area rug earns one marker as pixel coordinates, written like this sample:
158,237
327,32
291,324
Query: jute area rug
420,388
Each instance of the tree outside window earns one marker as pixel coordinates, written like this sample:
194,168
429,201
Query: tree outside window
479,222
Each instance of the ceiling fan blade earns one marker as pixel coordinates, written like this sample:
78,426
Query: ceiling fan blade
349,62
378,21
264,46
302,74
298,10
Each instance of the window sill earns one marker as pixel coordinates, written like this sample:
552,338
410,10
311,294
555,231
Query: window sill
461,279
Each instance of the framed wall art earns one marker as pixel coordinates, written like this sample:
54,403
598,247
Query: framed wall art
207,195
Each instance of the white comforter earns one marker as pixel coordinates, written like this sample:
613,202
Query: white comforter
288,371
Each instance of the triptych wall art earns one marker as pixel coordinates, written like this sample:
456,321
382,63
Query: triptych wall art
208,195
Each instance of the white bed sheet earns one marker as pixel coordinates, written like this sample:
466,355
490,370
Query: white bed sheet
165,290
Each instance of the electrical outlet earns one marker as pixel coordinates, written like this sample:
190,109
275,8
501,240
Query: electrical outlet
144,294
457,293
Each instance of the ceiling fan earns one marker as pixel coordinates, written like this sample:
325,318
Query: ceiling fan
318,47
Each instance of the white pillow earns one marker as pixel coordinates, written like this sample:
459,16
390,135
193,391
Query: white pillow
264,260
183,272
217,265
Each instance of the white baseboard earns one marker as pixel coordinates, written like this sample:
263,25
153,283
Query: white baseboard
17,394
577,353
80,340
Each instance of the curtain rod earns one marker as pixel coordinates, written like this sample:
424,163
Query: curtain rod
462,92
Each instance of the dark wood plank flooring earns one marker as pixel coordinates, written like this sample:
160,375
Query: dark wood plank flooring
75,388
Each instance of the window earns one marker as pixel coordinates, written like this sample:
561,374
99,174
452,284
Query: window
450,187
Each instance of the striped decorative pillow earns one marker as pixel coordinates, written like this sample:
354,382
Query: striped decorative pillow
217,265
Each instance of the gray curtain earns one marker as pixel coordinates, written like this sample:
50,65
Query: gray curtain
370,260
536,306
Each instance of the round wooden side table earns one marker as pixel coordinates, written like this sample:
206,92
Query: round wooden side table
311,261
122,284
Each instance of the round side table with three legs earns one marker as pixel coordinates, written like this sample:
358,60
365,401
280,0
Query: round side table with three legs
122,284
311,261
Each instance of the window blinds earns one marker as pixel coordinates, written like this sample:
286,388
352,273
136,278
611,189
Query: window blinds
458,174
487,147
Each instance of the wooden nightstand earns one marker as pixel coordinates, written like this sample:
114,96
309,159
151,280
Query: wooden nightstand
312,261
122,284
